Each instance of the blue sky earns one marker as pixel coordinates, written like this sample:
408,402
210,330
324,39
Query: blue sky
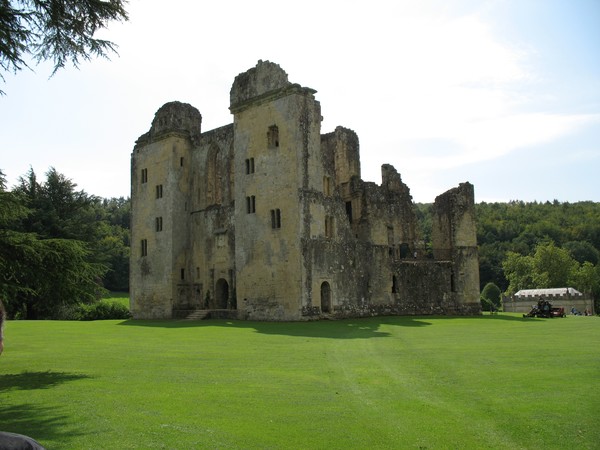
502,93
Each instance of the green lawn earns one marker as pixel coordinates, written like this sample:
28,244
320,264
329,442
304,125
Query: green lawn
392,382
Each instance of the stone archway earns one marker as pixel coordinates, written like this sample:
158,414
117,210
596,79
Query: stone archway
325,297
221,294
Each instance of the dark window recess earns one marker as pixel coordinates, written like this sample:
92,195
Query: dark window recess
181,161
144,175
183,274
159,191
349,211
144,243
273,137
251,204
394,284
404,250
159,224
249,166
275,218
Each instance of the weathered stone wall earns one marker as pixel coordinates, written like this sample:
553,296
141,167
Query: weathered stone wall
454,239
160,173
277,126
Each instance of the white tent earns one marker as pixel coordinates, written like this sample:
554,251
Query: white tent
555,292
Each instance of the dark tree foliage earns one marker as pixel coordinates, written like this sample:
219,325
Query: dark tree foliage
58,246
507,231
58,30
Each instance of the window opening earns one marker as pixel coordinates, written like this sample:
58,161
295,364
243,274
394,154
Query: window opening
251,204
273,136
159,224
144,175
404,250
249,166
325,297
181,161
183,274
144,246
349,211
159,191
276,218
394,284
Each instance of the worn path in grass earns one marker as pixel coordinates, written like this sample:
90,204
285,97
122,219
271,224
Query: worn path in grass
393,382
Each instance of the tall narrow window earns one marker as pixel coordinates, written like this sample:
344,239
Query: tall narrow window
181,161
144,247
349,211
249,166
159,191
251,204
182,274
144,175
276,218
159,224
273,137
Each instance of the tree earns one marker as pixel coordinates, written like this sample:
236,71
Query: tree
491,295
57,30
553,266
40,273
518,270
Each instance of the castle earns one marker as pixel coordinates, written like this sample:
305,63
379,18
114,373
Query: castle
268,219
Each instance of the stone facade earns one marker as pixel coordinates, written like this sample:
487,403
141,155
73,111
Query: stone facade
268,219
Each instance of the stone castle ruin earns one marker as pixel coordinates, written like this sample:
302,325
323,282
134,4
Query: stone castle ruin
268,219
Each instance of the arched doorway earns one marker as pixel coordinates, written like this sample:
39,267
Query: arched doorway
325,297
221,294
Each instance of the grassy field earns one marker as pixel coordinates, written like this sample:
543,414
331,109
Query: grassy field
500,382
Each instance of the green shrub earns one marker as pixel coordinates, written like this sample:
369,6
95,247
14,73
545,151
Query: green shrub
105,310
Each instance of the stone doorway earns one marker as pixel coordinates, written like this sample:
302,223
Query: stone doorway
222,294
325,297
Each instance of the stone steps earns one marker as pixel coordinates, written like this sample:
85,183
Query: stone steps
199,314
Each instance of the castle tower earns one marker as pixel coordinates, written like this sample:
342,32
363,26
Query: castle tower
160,174
454,239
277,162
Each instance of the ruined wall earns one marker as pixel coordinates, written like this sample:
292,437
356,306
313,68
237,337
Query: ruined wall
211,258
454,239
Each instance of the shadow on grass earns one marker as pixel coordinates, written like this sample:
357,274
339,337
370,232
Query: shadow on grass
36,380
335,329
40,423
